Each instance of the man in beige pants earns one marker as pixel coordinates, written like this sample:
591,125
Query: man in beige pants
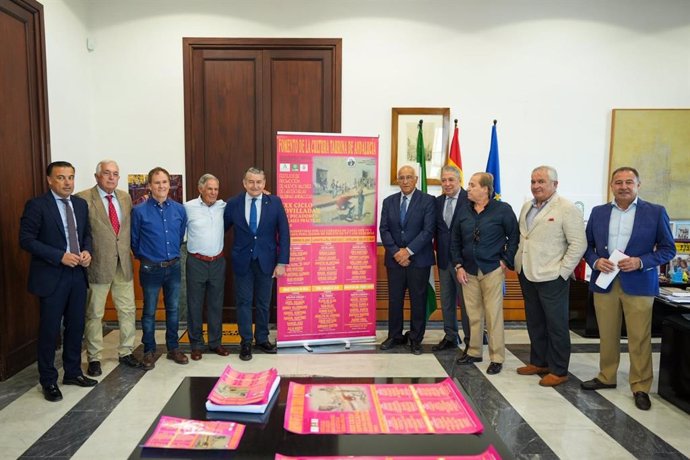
111,266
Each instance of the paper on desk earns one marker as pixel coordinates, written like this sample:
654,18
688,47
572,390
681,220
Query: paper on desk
605,279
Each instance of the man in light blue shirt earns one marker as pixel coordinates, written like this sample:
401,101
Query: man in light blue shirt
631,294
205,266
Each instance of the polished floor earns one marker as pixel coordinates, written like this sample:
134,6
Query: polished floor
108,420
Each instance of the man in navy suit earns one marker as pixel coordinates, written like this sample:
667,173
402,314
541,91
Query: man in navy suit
448,206
641,231
260,251
408,223
54,229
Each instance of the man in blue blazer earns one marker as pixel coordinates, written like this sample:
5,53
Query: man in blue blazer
260,251
448,206
55,230
408,223
641,231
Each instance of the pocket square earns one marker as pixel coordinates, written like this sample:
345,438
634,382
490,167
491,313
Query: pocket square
551,219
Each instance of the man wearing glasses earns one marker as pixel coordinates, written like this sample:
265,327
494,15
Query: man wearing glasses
483,244
408,222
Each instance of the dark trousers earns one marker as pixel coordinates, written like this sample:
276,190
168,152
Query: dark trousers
415,280
67,305
546,309
253,288
451,297
205,279
154,278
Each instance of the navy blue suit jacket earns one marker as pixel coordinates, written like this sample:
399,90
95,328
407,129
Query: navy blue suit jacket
272,240
442,230
651,240
42,234
416,233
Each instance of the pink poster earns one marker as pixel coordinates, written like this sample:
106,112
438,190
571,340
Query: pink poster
420,408
328,185
181,433
489,454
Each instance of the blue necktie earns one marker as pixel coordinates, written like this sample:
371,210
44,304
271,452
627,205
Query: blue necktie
403,210
252,216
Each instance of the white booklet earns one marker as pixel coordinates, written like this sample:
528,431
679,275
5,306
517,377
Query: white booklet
605,279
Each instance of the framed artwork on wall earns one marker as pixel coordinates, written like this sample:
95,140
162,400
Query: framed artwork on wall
655,142
404,130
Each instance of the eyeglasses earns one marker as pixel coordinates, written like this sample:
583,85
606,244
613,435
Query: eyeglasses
405,178
475,234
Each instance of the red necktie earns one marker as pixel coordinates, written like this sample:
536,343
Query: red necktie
113,214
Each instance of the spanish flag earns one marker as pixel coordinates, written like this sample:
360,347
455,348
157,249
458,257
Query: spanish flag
454,158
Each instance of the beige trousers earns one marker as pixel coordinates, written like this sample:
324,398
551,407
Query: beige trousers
610,308
123,297
483,297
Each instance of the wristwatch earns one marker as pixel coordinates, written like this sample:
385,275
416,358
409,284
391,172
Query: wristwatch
458,267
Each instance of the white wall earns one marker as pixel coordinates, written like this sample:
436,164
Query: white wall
549,71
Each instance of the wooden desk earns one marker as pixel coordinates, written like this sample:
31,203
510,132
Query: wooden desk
674,368
264,441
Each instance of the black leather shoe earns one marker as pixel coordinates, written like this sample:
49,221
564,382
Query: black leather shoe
444,344
130,361
80,380
416,348
467,359
245,351
596,384
52,393
391,343
94,369
267,347
494,368
642,401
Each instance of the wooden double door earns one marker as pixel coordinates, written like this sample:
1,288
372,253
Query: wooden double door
239,93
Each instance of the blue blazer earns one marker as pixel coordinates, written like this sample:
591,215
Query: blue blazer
651,240
442,230
272,241
42,234
416,234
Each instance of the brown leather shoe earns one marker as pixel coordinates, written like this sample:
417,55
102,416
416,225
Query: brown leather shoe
149,361
196,355
531,369
220,350
177,356
551,380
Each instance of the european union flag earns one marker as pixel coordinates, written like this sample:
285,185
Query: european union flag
493,165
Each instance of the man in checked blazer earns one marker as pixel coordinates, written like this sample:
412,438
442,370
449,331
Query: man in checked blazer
552,242
111,267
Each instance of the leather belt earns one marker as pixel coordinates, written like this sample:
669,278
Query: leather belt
164,264
207,258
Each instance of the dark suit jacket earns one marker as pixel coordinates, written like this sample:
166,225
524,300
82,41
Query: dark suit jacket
442,230
272,244
651,241
41,233
416,234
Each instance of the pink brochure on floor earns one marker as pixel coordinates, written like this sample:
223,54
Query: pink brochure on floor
182,433
489,454
421,408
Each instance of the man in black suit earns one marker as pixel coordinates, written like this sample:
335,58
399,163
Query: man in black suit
448,206
408,223
55,230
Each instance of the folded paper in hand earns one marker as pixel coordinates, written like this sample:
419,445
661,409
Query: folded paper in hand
605,279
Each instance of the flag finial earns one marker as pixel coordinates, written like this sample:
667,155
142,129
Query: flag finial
456,122
495,121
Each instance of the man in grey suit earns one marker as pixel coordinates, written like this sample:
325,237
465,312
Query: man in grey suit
111,266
